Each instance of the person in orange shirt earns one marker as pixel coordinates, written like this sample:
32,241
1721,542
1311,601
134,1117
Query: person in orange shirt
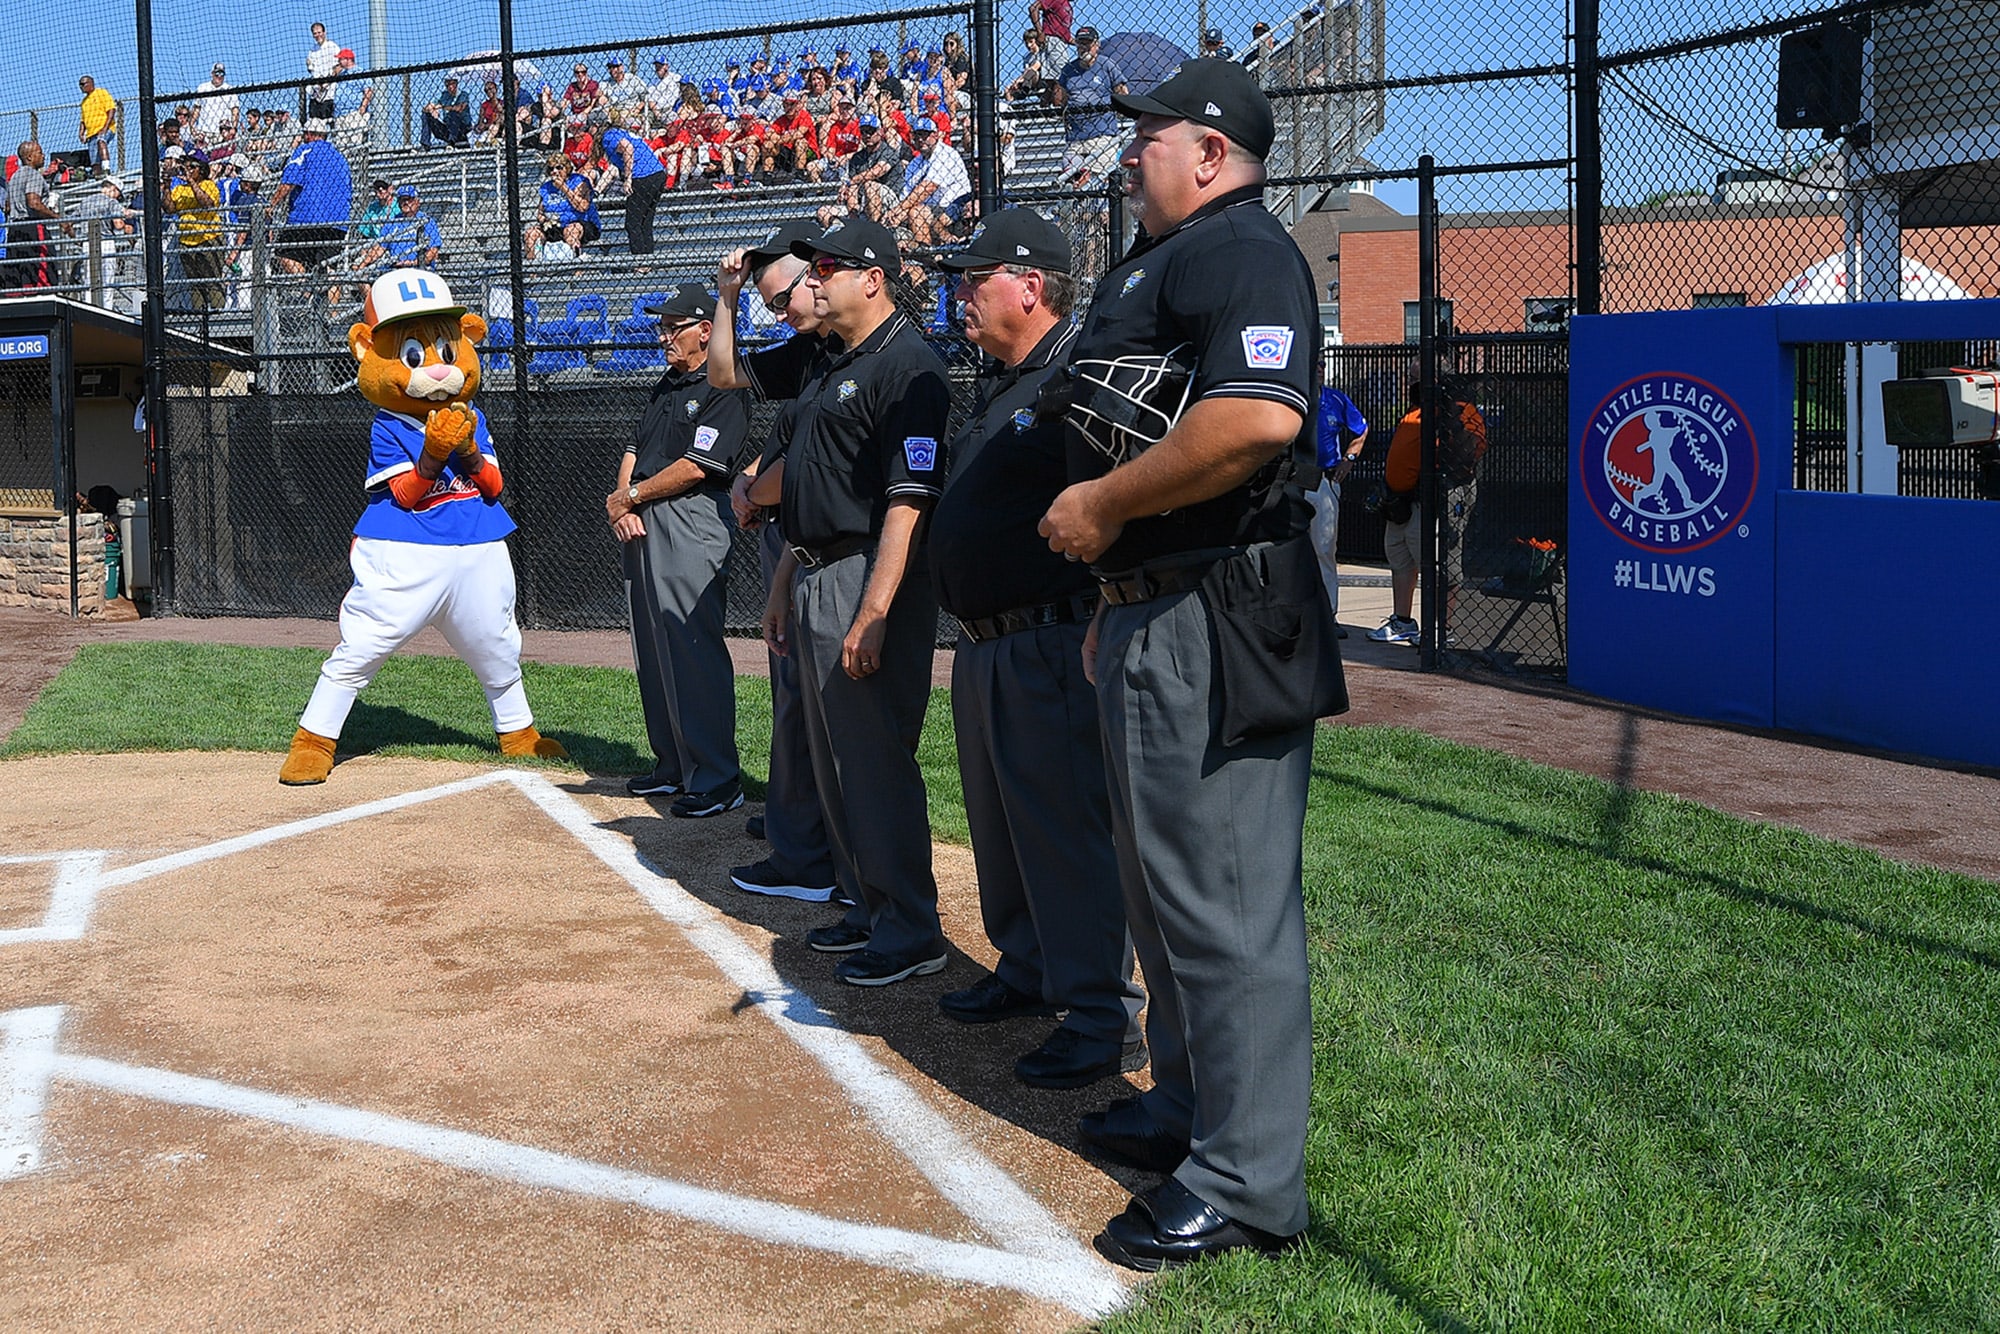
1402,541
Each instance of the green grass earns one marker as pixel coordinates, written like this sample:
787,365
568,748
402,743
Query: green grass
1587,1059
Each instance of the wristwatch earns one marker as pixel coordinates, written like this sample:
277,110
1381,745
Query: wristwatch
632,493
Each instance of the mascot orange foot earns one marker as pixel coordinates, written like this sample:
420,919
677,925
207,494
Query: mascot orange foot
528,741
311,759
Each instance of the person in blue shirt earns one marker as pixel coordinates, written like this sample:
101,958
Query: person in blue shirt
381,210
315,194
568,212
411,241
1342,433
449,118
1084,90
639,167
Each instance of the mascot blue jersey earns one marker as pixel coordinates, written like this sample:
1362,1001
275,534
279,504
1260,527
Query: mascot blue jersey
451,514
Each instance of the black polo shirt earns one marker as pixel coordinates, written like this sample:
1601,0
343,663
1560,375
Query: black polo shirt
686,418
870,430
1006,469
781,373
1228,292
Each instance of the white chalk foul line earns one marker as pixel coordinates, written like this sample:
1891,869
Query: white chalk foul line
1081,1287
1029,1235
27,1063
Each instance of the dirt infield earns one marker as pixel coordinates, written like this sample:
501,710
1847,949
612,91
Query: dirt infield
376,1067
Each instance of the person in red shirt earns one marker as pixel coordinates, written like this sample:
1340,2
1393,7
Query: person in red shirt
488,128
753,144
582,93
677,145
717,151
794,137
939,115
889,109
841,136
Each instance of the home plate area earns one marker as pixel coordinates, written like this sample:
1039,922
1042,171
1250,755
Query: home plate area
439,1042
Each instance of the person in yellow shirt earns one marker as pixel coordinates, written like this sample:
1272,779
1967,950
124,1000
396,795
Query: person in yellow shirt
97,121
196,203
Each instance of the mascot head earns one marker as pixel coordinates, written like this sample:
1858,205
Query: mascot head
414,344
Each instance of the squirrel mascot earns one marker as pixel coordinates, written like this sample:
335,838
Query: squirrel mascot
430,547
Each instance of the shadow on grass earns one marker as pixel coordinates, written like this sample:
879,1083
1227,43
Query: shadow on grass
1617,817
1378,1276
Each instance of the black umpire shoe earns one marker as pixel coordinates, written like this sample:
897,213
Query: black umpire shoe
654,784
1170,1225
754,826
1125,1132
1069,1060
840,938
989,1000
701,805
872,968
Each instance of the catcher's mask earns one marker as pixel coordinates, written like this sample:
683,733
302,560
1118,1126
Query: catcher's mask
1121,406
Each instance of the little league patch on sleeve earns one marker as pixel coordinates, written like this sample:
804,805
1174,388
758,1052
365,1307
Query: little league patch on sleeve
1268,345
921,451
705,438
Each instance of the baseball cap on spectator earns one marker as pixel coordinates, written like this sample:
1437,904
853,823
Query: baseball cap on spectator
198,156
659,60
238,161
1013,236
173,151
378,184
924,125
734,62
779,243
759,84
857,239
406,192
1213,35
867,122
218,70
1085,34
346,53
1220,94
688,301
793,95
616,62
932,94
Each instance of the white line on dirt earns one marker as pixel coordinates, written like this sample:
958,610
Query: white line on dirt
27,1063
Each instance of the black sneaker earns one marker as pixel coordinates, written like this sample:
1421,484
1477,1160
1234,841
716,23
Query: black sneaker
701,805
990,1000
870,968
1069,1060
653,785
754,826
840,938
764,878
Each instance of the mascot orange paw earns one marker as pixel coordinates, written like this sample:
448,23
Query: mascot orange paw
448,431
528,741
310,760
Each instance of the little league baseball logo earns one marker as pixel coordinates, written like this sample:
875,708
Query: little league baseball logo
1668,462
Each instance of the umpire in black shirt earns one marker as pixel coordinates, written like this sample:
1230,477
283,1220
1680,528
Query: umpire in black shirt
1029,754
671,510
1191,380
865,463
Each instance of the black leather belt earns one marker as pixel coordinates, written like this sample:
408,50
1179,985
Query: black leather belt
1172,574
827,555
1068,611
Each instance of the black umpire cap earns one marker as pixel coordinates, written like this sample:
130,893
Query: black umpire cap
689,301
1013,236
779,243
870,243
1220,94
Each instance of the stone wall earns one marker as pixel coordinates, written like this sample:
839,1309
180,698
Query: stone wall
34,562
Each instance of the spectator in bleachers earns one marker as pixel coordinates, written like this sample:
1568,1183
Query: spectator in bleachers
1051,18
116,237
448,116
490,111
30,213
874,172
878,79
715,147
581,94
845,70
216,106
677,143
170,138
1213,47
542,121
957,62
751,144
642,174
840,136
930,105
196,205
936,192
911,67
733,76
225,142
622,91
1029,85
313,196
817,95
240,181
97,121
794,137
568,212
756,97
352,97
1262,43
412,241
257,142
380,211
580,147
322,59
663,98
895,125
1084,91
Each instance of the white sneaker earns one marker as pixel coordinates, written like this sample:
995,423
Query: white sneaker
1396,630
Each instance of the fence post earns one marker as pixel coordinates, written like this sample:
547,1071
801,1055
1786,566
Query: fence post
1431,405
159,452
985,105
1589,163
517,281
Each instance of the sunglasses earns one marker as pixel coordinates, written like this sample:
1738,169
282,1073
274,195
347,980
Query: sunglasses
678,328
782,302
973,277
825,266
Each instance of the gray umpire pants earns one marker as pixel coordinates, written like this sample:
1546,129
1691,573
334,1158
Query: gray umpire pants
1030,757
1210,859
687,683
863,736
792,822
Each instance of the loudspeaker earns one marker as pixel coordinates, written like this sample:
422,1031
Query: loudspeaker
1819,78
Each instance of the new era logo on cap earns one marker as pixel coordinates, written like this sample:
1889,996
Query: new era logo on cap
1212,109
1022,251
